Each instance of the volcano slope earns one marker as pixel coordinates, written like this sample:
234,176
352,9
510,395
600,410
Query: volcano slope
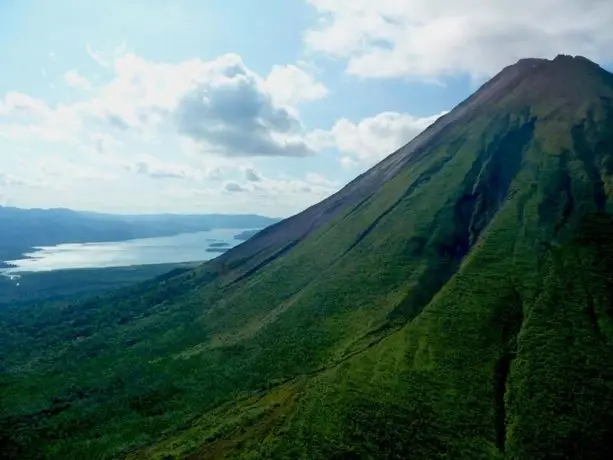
454,302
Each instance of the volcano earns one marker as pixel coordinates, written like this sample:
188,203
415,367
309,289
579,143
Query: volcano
453,302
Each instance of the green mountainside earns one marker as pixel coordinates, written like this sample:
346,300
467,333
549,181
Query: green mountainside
454,302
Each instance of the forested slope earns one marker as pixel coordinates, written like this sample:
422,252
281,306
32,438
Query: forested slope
452,302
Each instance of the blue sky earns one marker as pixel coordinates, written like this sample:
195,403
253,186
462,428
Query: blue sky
240,106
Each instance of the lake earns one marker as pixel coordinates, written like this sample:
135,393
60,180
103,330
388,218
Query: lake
186,247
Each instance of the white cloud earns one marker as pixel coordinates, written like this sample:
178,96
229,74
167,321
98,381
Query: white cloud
10,180
319,180
312,185
234,187
19,105
12,186
74,79
100,143
348,162
373,138
221,105
61,170
229,110
221,109
252,175
280,196
428,38
26,118
290,85
96,56
155,168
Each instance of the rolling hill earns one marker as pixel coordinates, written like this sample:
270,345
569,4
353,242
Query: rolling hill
453,302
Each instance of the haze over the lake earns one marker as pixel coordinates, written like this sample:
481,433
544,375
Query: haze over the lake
187,247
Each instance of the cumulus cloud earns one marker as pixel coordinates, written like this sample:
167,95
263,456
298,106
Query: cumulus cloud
312,185
19,105
76,80
259,186
290,85
232,115
373,138
348,162
105,59
24,117
319,180
275,196
252,175
157,169
221,105
100,143
428,38
11,185
10,180
61,170
234,187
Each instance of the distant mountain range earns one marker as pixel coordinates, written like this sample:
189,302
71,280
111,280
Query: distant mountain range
21,229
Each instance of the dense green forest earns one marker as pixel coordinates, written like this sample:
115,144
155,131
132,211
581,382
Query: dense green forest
454,302
32,287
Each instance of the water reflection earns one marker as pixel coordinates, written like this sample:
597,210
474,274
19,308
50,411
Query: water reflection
187,247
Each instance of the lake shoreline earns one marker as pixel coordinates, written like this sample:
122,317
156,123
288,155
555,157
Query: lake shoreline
190,264
194,247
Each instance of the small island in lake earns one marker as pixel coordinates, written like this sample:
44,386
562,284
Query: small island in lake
219,245
244,236
220,250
